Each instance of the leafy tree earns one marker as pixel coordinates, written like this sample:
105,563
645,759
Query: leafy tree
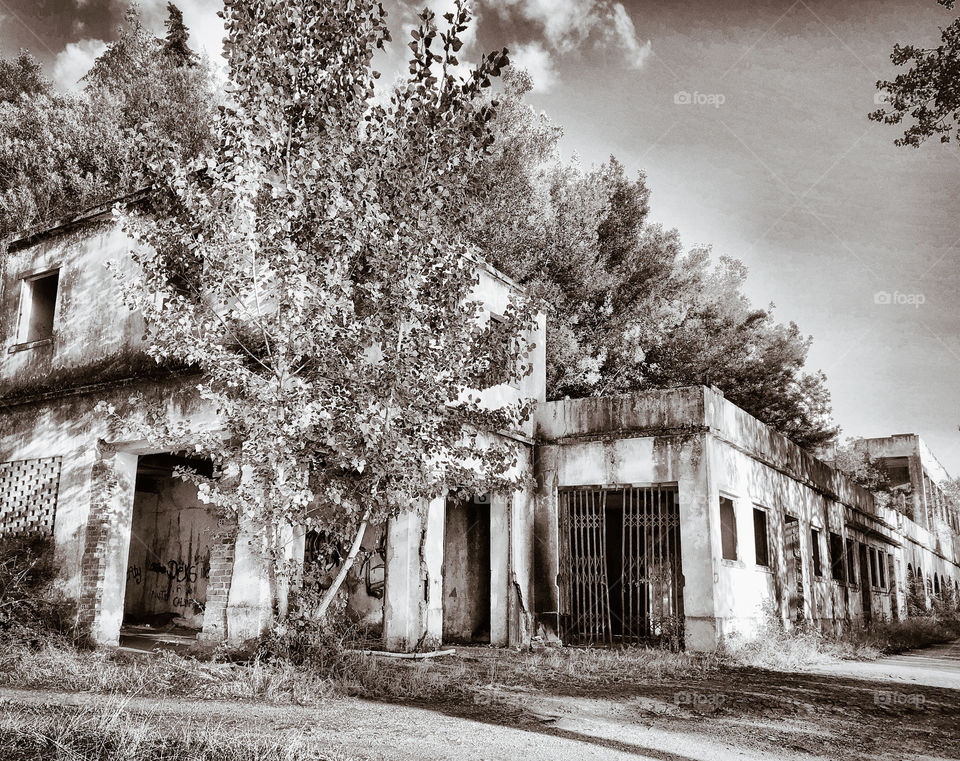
928,91
854,460
22,77
630,309
57,156
317,271
144,87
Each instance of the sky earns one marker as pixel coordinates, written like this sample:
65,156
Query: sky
749,120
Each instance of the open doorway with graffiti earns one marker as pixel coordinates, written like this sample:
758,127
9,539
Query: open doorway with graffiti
621,577
168,563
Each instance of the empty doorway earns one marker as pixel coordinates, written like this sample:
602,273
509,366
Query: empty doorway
168,565
466,570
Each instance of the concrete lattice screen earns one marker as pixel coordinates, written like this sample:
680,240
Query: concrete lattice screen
28,496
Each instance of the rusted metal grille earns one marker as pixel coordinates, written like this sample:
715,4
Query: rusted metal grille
28,496
620,577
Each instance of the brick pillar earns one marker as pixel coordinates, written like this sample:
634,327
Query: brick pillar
218,587
103,566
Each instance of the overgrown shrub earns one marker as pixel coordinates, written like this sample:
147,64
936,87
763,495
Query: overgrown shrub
325,645
31,605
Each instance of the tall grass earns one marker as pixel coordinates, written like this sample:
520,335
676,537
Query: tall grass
776,648
113,733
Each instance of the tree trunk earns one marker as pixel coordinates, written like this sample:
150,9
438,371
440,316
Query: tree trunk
345,567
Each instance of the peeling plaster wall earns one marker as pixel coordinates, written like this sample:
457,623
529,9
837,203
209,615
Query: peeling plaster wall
95,338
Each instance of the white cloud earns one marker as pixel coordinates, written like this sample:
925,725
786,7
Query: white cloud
568,24
626,34
75,60
533,57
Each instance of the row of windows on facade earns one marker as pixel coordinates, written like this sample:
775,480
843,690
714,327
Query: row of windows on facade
842,563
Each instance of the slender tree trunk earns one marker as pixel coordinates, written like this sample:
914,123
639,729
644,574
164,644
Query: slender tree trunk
345,567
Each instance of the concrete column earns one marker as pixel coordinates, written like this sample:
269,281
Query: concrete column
699,546
413,598
546,562
431,564
250,600
107,545
500,541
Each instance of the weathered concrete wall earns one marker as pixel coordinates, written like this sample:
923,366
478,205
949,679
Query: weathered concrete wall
95,338
711,448
413,606
581,452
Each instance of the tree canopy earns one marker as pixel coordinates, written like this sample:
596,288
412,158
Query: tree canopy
61,153
630,309
317,270
928,91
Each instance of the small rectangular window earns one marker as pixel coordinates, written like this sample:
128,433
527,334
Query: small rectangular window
815,552
836,556
38,303
728,529
760,536
883,569
501,349
851,567
877,565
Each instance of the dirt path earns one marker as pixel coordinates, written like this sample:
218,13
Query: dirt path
860,714
936,666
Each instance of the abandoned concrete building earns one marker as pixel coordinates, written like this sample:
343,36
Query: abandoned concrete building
668,515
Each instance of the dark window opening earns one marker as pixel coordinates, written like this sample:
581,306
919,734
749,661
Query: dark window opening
499,354
851,577
836,556
760,536
728,529
40,294
815,552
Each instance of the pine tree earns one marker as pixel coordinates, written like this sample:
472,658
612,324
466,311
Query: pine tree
175,44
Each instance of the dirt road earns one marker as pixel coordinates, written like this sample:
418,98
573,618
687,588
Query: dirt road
904,708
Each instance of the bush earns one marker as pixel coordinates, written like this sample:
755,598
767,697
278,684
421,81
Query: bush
31,605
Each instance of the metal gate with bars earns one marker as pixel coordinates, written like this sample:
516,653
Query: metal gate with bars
620,577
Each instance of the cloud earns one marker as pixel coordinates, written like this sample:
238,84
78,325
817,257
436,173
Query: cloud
567,25
75,60
624,32
533,57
